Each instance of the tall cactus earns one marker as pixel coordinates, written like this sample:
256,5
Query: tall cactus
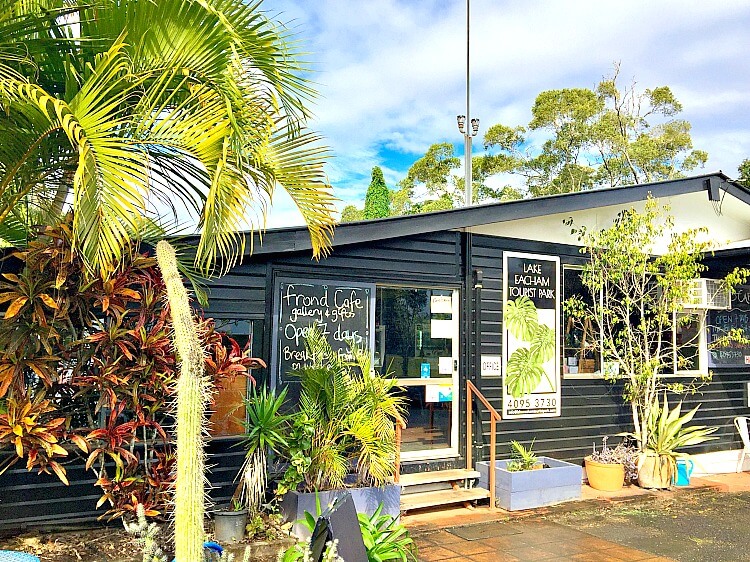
191,402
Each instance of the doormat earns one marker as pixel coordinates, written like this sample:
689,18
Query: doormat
481,531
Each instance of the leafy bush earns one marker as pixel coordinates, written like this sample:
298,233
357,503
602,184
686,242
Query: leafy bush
384,538
90,364
345,422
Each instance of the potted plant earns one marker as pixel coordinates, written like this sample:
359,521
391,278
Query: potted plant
230,523
342,434
526,481
608,469
657,463
384,538
638,292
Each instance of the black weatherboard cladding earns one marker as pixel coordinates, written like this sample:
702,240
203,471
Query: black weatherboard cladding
28,500
591,408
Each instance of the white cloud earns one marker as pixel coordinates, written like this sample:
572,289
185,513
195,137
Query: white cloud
392,73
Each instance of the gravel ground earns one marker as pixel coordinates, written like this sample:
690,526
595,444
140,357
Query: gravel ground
695,526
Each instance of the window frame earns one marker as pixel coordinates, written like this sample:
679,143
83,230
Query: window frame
702,370
598,345
701,313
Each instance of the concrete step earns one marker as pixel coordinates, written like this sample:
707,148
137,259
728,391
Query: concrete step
442,497
435,476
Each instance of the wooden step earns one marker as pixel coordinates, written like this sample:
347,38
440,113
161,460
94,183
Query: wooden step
442,497
432,477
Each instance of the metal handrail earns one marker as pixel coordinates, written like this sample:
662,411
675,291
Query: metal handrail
471,392
400,425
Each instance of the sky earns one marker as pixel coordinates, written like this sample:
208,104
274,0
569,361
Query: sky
391,74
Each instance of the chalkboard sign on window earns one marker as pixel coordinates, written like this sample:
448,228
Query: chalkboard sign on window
343,311
720,322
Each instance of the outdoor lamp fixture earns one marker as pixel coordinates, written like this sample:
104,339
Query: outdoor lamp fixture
468,134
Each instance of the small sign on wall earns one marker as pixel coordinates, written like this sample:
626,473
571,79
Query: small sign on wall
441,304
424,371
438,393
491,366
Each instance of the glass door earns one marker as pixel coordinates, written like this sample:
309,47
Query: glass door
416,341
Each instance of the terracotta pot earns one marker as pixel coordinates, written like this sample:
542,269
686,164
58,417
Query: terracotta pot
655,471
606,477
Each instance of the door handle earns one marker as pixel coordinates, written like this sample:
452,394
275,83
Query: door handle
455,364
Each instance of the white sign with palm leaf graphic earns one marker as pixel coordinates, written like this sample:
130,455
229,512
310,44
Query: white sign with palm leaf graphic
531,336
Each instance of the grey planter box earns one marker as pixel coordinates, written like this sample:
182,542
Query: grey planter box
533,488
366,500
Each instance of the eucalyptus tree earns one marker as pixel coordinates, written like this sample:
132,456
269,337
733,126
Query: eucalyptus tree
111,105
577,139
604,137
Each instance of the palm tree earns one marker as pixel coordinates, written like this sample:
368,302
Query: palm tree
114,106
111,105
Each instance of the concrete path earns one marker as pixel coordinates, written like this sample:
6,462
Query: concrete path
706,521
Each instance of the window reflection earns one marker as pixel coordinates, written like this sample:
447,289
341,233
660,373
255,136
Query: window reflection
414,331
580,337
228,413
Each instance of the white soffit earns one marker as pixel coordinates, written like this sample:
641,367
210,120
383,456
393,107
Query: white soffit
727,221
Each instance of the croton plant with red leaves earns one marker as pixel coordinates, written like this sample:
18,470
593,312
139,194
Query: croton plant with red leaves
87,368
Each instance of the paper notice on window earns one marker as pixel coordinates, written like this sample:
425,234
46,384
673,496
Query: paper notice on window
441,329
438,393
445,365
441,304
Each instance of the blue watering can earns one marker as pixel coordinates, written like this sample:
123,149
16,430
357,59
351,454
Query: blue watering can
684,470
13,556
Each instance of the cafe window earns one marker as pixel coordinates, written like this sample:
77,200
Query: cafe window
689,347
686,343
228,412
581,348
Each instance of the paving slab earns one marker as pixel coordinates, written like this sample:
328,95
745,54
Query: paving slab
706,521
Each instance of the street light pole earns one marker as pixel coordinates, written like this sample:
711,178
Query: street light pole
473,128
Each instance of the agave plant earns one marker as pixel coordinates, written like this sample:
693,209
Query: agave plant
667,433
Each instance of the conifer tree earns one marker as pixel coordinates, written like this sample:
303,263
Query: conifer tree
377,200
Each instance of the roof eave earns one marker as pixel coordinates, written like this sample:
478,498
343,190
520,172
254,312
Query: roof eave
298,239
